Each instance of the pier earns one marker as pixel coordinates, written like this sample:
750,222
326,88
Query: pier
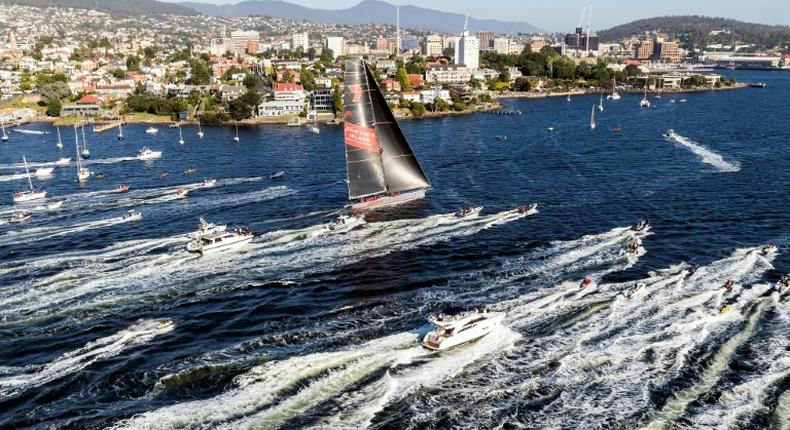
104,127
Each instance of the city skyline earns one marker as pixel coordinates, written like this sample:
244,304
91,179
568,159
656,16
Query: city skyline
605,15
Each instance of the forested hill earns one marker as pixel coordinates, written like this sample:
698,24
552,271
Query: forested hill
113,7
695,31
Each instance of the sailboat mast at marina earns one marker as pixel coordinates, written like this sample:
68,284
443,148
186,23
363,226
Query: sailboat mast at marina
60,143
381,166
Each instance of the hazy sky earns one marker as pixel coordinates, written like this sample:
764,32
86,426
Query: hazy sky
549,15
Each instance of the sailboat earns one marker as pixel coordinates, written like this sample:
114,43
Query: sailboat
600,104
5,136
592,119
180,137
60,143
382,168
645,103
120,131
200,130
615,95
82,172
236,137
314,127
85,152
31,193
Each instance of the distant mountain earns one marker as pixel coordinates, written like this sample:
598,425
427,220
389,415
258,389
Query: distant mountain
113,7
699,31
366,12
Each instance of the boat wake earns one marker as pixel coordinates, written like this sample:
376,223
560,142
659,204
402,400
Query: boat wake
706,154
14,381
14,177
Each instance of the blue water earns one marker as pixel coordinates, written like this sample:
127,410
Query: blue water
296,331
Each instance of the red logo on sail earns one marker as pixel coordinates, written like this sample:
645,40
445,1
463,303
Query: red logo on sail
356,93
360,137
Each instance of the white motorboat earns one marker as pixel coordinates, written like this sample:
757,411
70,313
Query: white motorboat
640,226
528,209
634,249
783,285
30,194
452,331
131,215
151,130
147,154
53,205
346,223
19,216
207,229
670,134
551,128
220,241
633,290
468,212
209,182
768,248
314,129
277,175
181,193
42,172
63,161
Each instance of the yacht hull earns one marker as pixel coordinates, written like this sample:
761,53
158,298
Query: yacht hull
384,201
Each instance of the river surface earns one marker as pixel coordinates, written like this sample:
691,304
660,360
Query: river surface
112,324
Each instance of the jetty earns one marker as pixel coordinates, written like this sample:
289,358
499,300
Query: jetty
104,127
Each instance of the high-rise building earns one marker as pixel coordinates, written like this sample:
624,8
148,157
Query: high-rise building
239,40
644,49
382,44
337,44
501,45
486,39
579,41
300,40
432,46
467,51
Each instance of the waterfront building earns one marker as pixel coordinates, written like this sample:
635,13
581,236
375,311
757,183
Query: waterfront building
321,99
430,96
274,108
447,74
288,91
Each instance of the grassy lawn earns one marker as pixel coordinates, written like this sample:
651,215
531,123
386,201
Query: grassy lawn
18,103
146,117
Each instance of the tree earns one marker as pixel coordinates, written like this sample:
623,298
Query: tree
337,99
631,70
417,65
119,74
250,81
441,105
403,79
327,56
133,63
459,106
149,52
199,73
522,84
54,108
307,78
417,110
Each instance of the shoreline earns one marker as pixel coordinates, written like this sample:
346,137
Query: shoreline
538,95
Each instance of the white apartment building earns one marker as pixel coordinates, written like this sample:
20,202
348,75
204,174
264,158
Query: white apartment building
433,46
300,39
449,74
467,51
240,39
337,44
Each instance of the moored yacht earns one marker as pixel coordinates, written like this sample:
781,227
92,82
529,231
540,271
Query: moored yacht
452,331
645,103
152,130
220,241
147,154
614,95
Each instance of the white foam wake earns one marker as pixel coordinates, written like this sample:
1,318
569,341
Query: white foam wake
707,155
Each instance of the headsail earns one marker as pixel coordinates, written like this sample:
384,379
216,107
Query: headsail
378,157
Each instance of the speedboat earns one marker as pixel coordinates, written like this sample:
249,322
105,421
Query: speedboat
207,229
44,171
783,285
190,170
346,223
640,226
587,282
28,196
277,175
19,216
220,241
132,215
468,212
209,182
147,154
527,209
123,188
181,193
728,284
452,331
633,289
633,249
670,134
54,205
151,130
63,161
768,248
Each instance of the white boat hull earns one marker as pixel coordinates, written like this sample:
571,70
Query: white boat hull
29,196
384,201
225,244
482,328
150,156
44,171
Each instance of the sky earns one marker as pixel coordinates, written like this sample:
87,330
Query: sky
562,15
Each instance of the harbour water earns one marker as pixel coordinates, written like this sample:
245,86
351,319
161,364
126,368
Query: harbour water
106,323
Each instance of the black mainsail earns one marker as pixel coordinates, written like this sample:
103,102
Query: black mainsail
378,157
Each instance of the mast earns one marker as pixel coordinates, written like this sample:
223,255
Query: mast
84,140
592,118
29,182
77,145
59,142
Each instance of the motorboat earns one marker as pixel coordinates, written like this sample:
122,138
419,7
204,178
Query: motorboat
640,226
123,188
670,134
54,205
346,223
455,330
30,194
205,228
633,290
634,249
783,285
551,128
147,154
586,283
131,215
468,212
220,241
209,182
19,216
44,171
190,170
181,193
768,248
527,209
728,284
277,175
63,161
151,130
